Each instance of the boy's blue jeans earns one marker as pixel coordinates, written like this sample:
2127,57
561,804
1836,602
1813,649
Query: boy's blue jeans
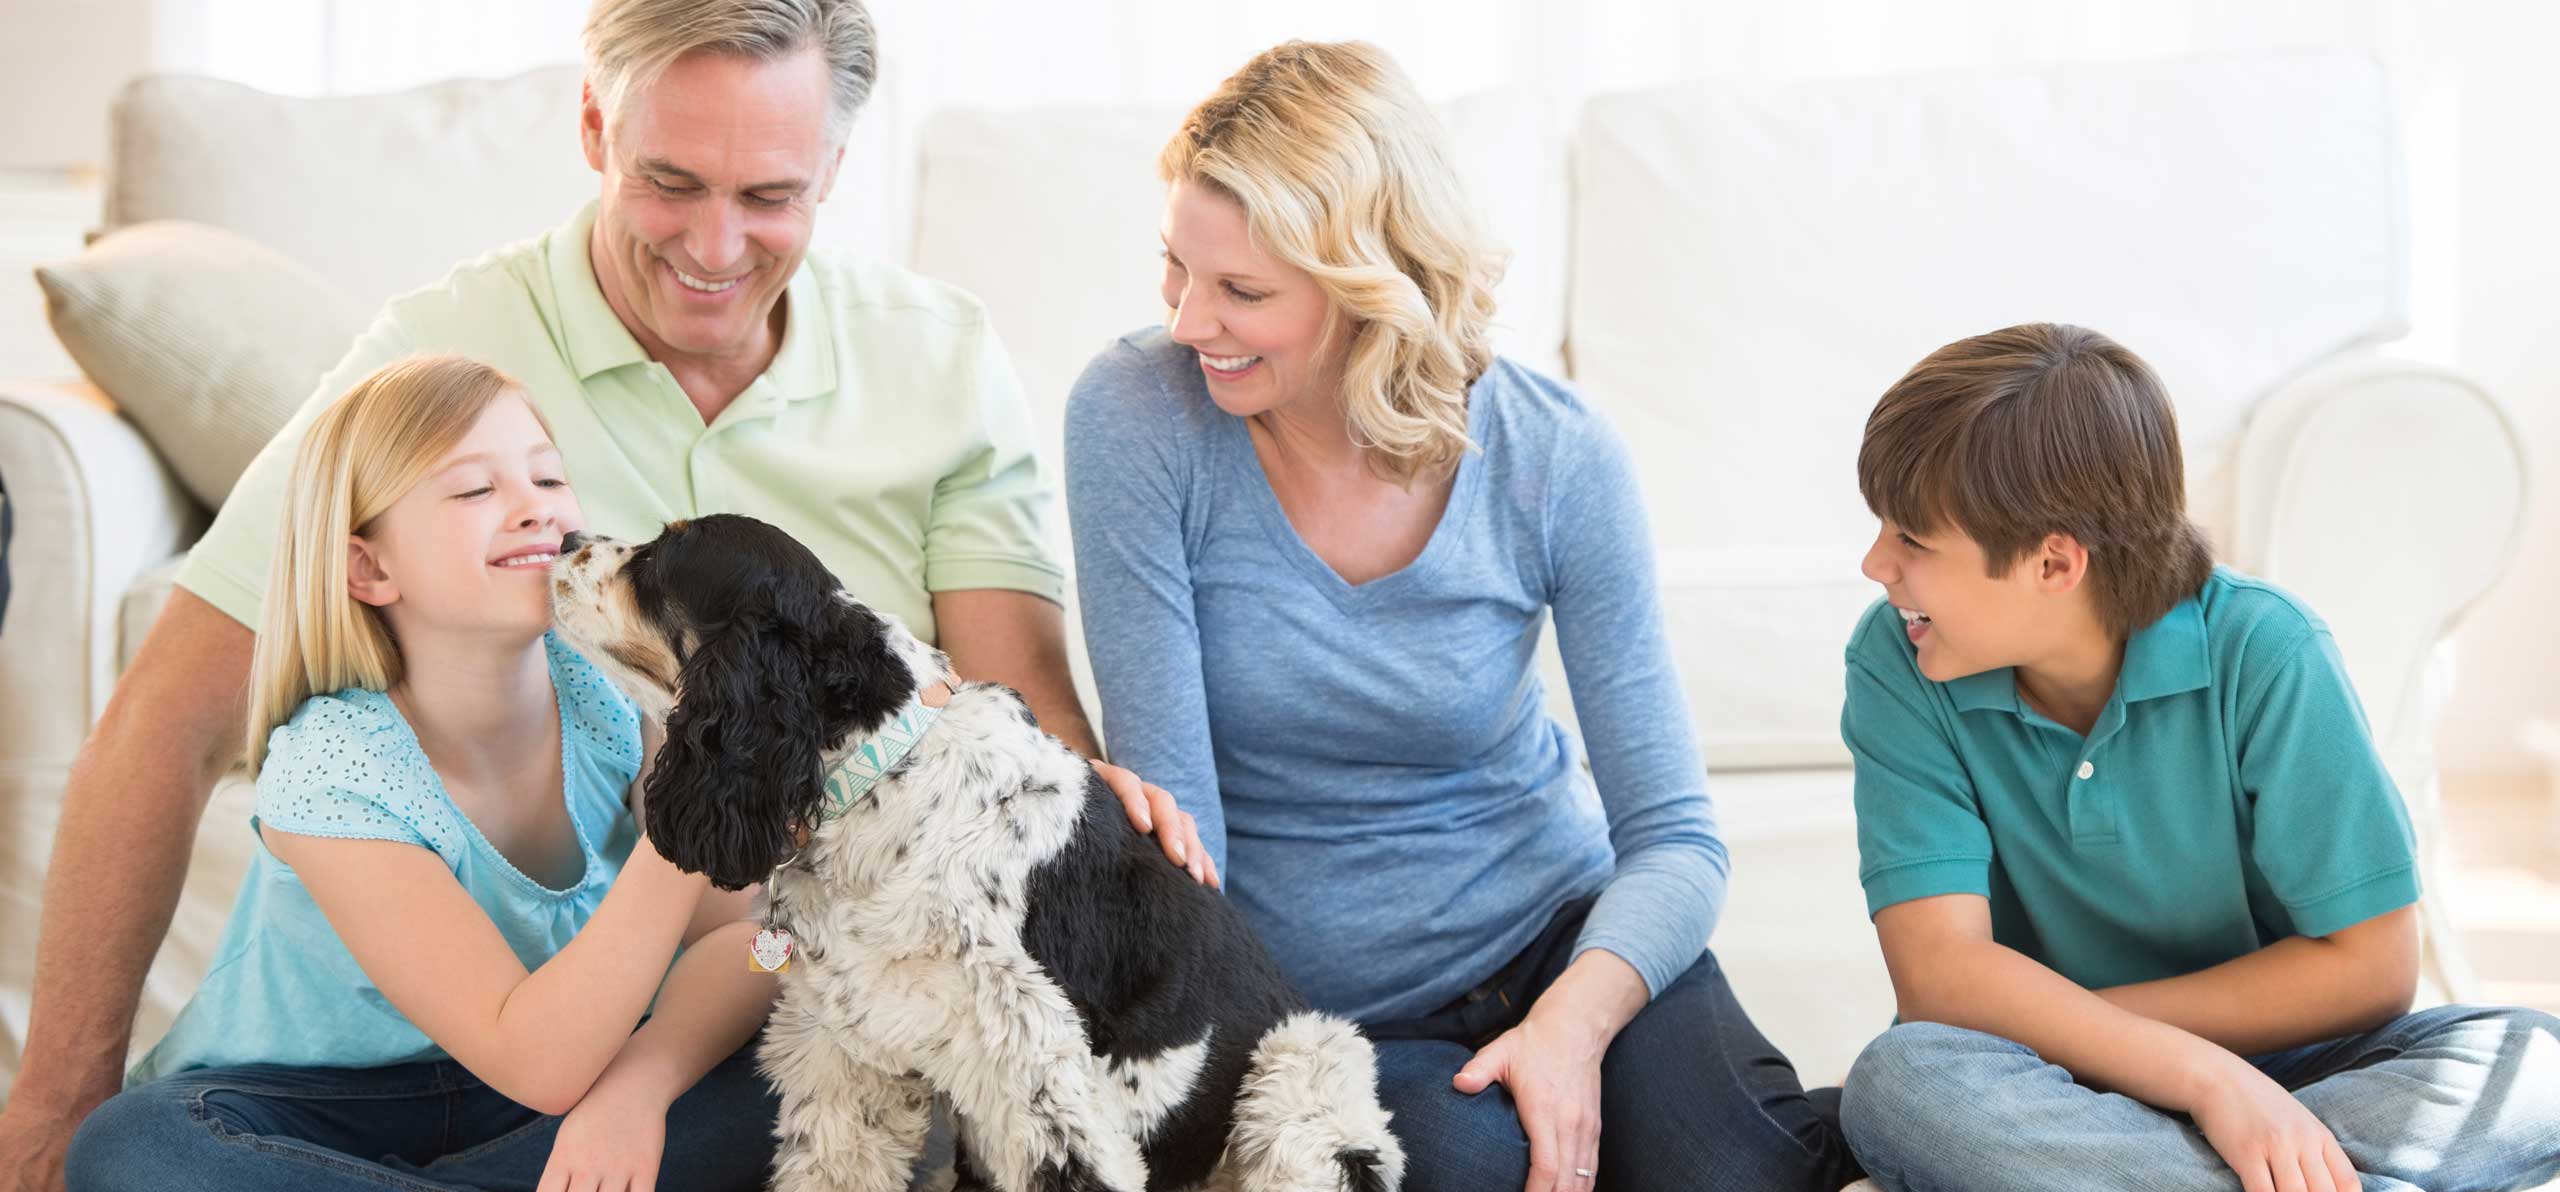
2461,1097
427,1127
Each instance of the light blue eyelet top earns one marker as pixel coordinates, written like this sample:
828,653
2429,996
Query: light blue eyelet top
283,988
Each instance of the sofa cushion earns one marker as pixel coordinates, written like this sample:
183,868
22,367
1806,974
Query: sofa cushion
1050,218
1755,262
381,194
206,340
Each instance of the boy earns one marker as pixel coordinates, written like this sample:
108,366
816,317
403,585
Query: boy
2143,885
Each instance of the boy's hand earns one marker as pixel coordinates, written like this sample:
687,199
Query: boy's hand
612,1142
2267,1137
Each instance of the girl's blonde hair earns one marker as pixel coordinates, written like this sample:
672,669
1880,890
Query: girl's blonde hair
358,458
1342,171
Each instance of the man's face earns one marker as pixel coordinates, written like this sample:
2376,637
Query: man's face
712,180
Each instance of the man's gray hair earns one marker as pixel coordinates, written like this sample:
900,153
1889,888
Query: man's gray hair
631,42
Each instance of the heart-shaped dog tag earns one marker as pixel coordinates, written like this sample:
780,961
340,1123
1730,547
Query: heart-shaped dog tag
771,952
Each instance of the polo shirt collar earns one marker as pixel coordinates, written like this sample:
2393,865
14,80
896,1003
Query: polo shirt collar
2168,656
2165,658
1991,690
597,342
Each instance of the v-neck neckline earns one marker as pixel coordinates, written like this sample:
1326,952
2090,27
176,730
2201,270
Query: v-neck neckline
1293,546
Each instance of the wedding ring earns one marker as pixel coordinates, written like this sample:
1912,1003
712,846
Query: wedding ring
1584,1172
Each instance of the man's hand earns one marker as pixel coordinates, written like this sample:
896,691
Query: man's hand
32,1145
1152,810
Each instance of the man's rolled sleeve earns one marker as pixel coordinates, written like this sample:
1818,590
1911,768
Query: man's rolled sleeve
993,518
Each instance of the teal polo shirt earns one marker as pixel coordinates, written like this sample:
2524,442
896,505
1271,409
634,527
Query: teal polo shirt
2228,797
888,434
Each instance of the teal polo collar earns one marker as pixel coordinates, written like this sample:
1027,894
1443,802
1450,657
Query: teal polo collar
2167,657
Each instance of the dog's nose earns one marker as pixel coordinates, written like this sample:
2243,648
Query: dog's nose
572,542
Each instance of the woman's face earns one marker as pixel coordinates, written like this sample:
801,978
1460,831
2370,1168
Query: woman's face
469,548
1257,322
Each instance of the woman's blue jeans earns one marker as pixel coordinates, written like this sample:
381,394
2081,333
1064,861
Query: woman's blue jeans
1692,1096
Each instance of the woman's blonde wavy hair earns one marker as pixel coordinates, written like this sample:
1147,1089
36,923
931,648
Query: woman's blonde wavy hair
1344,172
358,458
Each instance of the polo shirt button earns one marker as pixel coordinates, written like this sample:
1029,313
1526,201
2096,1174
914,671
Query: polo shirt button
2087,769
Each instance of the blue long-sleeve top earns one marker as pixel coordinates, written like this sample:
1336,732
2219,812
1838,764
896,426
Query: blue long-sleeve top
1372,765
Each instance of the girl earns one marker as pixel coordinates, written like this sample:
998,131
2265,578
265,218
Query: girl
435,968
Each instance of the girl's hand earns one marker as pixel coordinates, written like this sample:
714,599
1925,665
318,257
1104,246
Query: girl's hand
612,1142
1153,810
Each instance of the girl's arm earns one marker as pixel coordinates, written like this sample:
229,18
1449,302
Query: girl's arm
541,1038
711,1005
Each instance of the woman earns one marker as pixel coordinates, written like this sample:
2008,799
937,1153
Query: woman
1318,525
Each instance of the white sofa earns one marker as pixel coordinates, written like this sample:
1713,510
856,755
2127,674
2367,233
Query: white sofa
1733,271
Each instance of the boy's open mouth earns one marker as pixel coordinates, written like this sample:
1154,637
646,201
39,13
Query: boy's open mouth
1914,622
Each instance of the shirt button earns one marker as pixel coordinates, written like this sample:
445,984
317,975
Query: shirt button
2087,769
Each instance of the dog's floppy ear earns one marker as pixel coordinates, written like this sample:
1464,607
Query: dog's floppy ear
743,764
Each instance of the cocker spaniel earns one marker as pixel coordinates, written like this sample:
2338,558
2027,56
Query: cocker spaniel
958,905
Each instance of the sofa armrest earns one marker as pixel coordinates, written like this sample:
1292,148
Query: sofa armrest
94,509
2391,495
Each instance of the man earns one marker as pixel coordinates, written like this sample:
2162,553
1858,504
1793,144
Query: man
689,360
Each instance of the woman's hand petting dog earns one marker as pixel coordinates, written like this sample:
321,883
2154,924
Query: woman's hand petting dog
1154,811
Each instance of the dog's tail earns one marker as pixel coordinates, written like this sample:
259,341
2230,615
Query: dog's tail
1308,1118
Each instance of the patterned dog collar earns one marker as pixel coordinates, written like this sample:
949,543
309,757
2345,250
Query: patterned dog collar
870,761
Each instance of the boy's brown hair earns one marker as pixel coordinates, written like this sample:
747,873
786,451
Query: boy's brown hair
2043,429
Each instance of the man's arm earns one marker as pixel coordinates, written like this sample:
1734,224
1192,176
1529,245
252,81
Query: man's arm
2292,993
120,858
1019,640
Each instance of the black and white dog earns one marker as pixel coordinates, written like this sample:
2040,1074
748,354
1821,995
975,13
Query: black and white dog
970,911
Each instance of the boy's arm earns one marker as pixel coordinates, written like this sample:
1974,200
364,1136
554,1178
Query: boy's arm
2292,993
1947,969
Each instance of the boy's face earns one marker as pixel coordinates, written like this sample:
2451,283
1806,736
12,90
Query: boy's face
1964,620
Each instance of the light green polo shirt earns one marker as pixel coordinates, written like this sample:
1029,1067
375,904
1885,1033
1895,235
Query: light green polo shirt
888,434
2228,797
